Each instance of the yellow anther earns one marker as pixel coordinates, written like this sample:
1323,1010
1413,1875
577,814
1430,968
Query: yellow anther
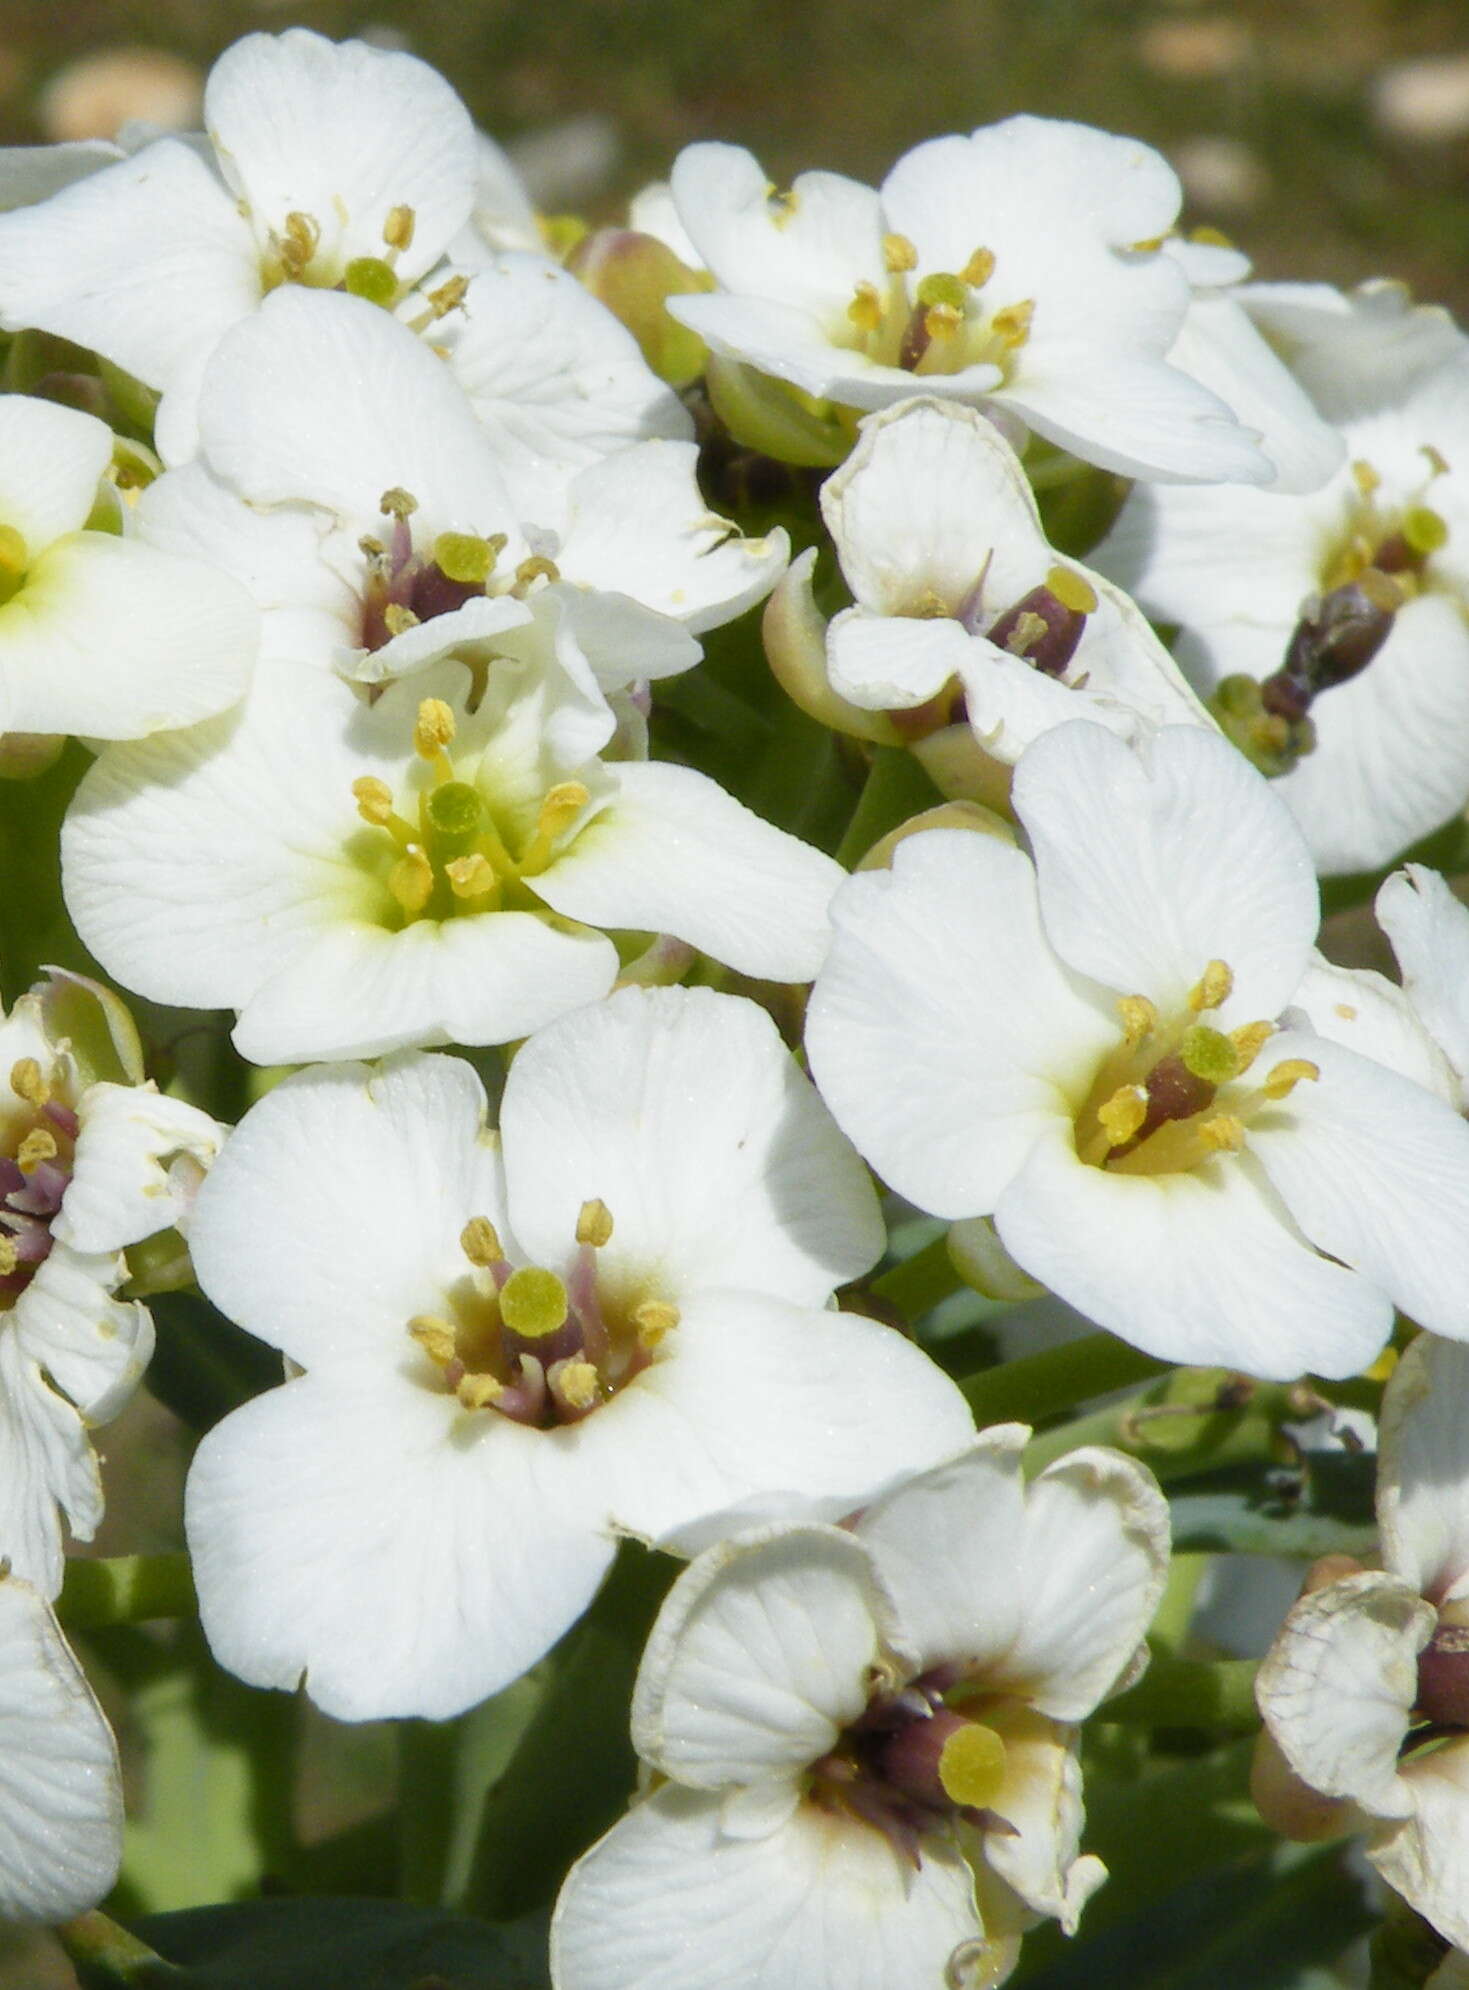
411,881
1149,245
1139,1018
781,204
398,620
898,254
374,799
9,1255
533,1302
398,228
434,728
1029,628
1123,1114
463,557
397,503
448,296
1013,323
537,567
480,1242
1072,591
1283,1080
979,269
1386,591
654,1319
14,553
38,1146
435,1336
576,1383
1224,1134
1212,988
941,321
1437,462
1249,1040
561,805
479,1392
865,309
27,1083
594,1223
1365,477
471,876
1214,237
298,246
972,1765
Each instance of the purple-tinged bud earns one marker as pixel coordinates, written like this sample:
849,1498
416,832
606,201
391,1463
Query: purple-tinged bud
1443,1677
1041,630
1340,637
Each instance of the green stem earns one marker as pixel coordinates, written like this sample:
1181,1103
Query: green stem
1173,1615
1040,1385
920,1282
126,1589
896,788
1217,1694
1212,1438
105,1955
427,1763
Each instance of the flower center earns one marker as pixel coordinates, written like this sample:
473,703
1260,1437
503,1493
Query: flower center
456,857
403,586
943,323
910,1764
35,1171
1167,1099
536,1347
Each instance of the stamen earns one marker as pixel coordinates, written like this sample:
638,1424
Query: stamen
398,228
397,503
536,568
374,800
38,1146
942,321
472,876
898,254
1249,1040
575,1384
1123,1114
1139,1018
865,309
480,1242
1365,478
1283,1080
479,1392
435,1336
1437,462
299,244
398,620
9,1255
434,728
594,1223
27,1083
654,1319
411,881
1224,1134
1212,988
1012,325
979,269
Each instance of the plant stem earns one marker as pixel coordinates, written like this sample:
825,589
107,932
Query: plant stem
1218,1694
896,788
920,1282
126,1589
1041,1385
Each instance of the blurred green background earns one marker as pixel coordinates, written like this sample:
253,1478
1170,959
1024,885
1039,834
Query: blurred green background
1330,137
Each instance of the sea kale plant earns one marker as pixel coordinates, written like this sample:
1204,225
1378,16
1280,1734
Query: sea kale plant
771,1227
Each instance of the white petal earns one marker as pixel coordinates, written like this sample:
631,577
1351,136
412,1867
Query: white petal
60,1788
1339,1683
666,1899
1153,863
112,638
888,662
50,461
810,250
324,398
394,1549
90,1345
1376,1172
342,133
1429,930
1423,1468
556,381
362,1181
639,526
759,1658
123,1188
672,853
48,1462
146,262
942,1031
1041,1798
1424,1858
1220,346
1140,419
357,990
749,1395
748,1186
1201,1267
1372,1016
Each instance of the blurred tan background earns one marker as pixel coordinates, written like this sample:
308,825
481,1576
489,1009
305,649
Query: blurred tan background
1330,137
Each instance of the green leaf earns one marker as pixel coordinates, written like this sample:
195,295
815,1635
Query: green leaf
204,1366
344,1945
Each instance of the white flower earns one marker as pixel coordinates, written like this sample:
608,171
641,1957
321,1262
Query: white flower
1366,1690
86,1168
1019,268
615,1323
325,164
356,878
1429,930
433,523
962,609
1088,1047
1351,603
60,1787
99,633
869,1738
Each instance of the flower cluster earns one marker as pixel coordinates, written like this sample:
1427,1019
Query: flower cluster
392,557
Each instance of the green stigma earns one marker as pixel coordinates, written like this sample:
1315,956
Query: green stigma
533,1302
